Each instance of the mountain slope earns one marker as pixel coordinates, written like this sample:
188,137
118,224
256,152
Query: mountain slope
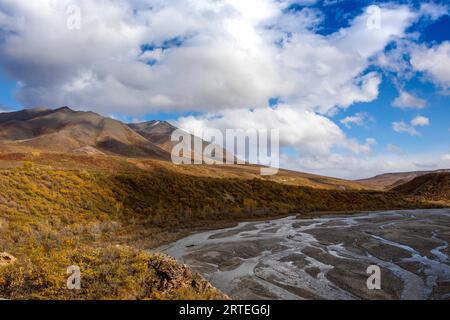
391,180
64,130
88,139
105,163
433,186
160,133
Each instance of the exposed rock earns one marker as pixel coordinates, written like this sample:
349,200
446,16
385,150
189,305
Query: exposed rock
6,259
174,276
88,150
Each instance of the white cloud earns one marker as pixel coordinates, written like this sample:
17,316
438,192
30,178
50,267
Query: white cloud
328,70
306,131
233,54
406,100
359,119
435,62
367,41
392,148
401,126
418,121
359,167
433,10
222,58
357,148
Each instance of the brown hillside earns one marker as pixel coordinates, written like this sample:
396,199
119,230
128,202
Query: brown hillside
391,180
107,163
65,130
160,132
433,186
73,139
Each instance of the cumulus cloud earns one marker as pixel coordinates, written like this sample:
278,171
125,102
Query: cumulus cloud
435,62
304,130
203,55
434,10
360,167
420,121
402,127
408,101
359,119
223,59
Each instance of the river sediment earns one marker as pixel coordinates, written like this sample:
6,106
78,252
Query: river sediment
326,257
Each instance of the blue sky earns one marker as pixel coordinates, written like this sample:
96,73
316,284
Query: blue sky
435,137
7,98
349,100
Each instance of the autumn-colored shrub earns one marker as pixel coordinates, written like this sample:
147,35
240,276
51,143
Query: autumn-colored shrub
52,218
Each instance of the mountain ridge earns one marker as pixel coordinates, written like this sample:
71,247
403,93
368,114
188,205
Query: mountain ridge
65,130
160,132
432,186
390,180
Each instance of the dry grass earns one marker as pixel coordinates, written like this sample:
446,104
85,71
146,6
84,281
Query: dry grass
121,164
101,219
433,187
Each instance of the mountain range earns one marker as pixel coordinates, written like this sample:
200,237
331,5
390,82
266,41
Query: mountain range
67,131
390,181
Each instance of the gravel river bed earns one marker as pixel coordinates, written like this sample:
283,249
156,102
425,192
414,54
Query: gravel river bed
326,257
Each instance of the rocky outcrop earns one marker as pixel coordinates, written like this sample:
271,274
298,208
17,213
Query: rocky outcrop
6,259
175,277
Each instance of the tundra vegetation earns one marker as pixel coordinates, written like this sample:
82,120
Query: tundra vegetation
105,219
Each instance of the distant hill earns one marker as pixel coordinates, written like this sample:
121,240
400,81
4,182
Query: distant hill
433,186
391,180
88,139
160,133
67,131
